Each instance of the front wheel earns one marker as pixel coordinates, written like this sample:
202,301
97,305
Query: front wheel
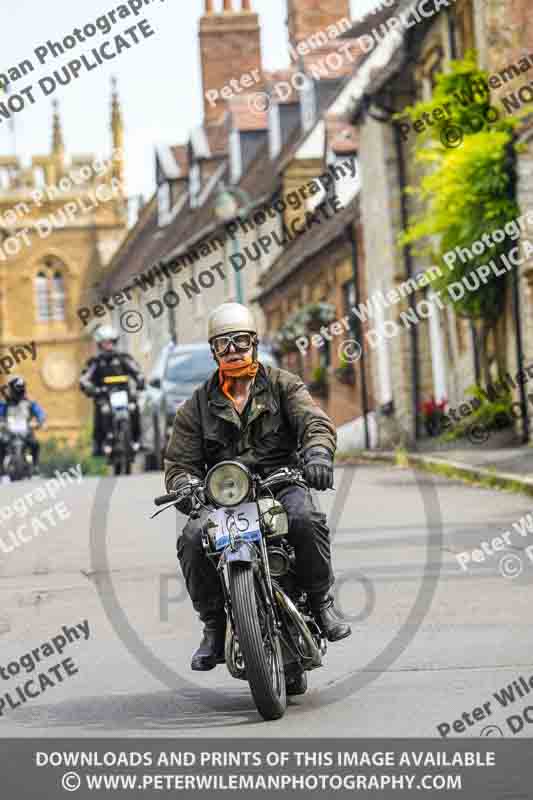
260,649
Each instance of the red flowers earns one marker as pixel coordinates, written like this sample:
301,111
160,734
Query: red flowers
430,407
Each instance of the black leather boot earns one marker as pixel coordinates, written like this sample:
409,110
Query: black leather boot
325,614
211,650
296,683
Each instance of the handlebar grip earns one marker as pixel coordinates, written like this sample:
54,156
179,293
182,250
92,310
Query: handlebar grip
166,498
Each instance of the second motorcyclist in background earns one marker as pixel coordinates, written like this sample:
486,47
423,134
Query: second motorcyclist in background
109,362
17,399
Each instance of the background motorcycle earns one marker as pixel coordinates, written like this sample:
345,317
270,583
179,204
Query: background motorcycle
270,633
18,459
118,405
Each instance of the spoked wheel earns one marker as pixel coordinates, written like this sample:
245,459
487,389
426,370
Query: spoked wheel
260,649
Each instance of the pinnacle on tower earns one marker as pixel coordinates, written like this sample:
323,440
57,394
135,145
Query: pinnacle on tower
117,130
58,145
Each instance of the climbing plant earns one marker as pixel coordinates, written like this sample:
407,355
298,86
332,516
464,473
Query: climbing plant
468,189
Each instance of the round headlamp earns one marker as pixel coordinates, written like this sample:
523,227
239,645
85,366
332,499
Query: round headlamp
229,483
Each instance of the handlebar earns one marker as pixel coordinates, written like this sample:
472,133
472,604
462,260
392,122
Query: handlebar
165,498
281,476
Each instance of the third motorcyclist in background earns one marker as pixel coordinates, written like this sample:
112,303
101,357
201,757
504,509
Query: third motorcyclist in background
18,399
109,362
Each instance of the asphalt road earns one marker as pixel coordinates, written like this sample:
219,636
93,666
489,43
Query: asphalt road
430,641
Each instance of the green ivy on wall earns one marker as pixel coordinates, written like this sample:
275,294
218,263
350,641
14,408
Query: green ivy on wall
468,189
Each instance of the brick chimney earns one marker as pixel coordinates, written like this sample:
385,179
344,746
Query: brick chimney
309,17
230,47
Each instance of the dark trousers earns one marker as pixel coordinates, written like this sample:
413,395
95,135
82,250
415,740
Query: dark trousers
308,534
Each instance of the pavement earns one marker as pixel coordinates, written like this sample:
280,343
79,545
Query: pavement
431,641
506,463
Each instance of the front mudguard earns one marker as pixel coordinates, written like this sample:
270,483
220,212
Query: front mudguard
244,554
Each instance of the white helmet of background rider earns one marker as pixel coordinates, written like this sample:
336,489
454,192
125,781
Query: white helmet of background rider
105,333
231,318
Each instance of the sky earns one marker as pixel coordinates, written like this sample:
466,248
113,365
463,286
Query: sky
159,79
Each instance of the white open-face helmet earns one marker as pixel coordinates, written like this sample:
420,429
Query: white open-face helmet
105,333
227,320
230,318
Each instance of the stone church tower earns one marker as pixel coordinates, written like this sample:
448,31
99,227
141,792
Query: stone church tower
61,220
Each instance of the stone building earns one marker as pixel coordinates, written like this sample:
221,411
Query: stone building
61,219
439,355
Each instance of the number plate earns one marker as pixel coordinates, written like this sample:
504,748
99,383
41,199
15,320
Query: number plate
243,521
119,399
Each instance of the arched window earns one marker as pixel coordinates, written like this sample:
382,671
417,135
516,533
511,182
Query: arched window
50,292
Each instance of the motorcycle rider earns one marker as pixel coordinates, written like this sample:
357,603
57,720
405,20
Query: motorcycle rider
16,399
259,416
107,363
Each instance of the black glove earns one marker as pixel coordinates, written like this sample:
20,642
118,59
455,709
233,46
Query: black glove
318,469
141,385
186,485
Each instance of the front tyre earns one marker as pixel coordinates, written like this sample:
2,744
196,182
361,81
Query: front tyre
261,652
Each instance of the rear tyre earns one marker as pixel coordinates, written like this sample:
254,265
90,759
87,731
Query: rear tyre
262,654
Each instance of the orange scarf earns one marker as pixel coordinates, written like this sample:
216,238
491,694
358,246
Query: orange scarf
245,368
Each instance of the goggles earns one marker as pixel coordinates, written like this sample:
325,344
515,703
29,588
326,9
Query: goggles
241,341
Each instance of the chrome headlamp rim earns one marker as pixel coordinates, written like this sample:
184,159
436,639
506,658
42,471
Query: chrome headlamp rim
218,466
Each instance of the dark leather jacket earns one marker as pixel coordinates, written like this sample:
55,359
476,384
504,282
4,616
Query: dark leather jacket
107,365
282,418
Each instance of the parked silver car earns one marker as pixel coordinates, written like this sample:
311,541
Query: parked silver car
179,370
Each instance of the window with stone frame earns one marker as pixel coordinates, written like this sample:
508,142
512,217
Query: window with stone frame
465,38
49,292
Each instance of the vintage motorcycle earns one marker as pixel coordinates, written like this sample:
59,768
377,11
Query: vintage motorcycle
18,460
119,404
271,635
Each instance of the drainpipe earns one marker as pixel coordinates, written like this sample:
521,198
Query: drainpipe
357,329
408,261
517,313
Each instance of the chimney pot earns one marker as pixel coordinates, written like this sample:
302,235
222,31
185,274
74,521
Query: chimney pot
246,5
208,6
228,5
